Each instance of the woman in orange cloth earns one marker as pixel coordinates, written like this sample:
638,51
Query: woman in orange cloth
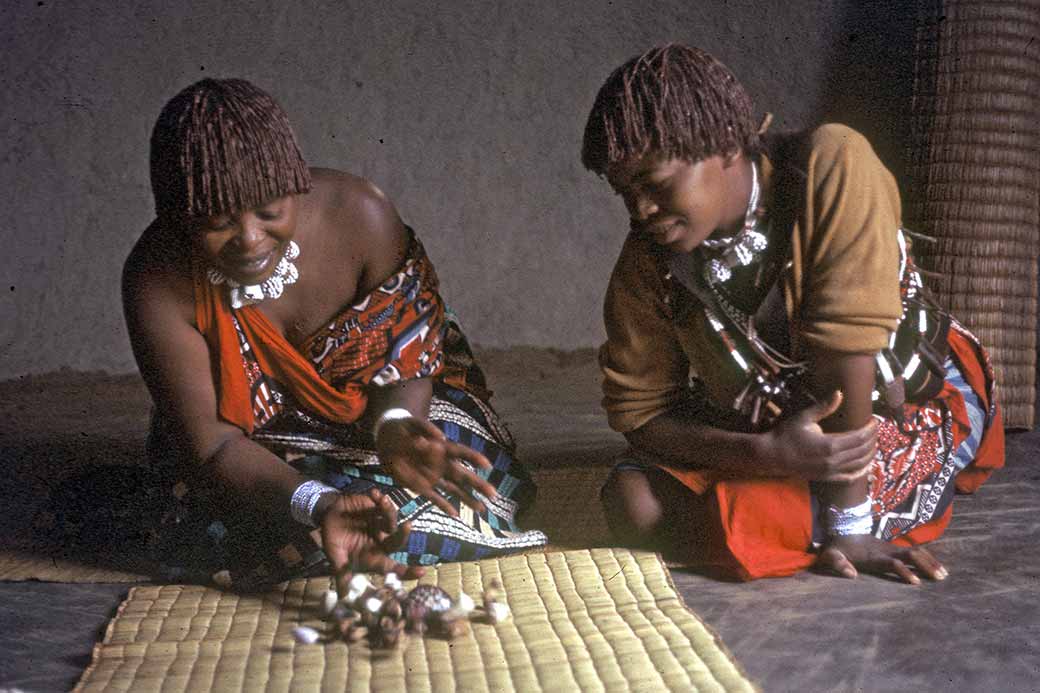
791,394
315,403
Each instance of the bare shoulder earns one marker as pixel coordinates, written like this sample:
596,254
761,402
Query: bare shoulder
357,201
172,355
363,218
157,274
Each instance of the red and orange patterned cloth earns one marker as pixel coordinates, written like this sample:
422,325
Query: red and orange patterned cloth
755,528
305,405
393,334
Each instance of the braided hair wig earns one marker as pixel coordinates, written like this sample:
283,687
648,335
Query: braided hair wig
223,145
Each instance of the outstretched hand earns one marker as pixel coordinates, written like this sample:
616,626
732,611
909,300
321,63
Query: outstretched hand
848,555
418,456
798,446
358,532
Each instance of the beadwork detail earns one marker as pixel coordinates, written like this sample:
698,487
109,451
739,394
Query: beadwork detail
741,249
770,376
241,295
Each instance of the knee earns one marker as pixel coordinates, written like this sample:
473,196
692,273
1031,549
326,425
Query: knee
632,510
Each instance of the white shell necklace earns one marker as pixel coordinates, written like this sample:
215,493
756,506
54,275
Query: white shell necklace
741,248
240,295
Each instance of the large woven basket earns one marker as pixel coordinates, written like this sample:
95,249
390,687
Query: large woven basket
974,165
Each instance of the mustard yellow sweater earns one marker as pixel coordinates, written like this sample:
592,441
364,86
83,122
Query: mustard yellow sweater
841,292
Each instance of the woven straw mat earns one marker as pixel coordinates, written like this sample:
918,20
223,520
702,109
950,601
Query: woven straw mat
600,619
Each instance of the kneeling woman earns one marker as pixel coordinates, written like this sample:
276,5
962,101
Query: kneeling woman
313,399
760,278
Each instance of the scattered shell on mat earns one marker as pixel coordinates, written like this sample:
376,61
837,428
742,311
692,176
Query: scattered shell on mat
465,603
385,613
427,599
329,602
389,632
497,612
346,625
373,605
359,582
494,606
342,612
393,609
356,634
450,627
358,585
222,578
305,634
423,607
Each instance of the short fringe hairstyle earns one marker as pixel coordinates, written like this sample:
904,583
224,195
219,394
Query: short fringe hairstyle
672,100
220,146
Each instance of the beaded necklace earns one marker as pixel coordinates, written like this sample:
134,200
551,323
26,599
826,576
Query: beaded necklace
240,295
716,274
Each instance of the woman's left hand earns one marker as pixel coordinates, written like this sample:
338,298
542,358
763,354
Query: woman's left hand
847,555
418,456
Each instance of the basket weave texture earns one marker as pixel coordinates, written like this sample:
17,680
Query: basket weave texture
974,163
605,619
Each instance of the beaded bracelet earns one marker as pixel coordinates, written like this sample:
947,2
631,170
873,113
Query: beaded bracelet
387,416
843,522
305,498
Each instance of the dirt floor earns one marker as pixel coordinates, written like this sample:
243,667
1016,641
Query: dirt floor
70,435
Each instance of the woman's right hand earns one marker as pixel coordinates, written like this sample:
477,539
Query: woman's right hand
799,447
359,532
419,456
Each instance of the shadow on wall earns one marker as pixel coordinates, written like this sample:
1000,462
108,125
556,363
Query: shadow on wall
871,78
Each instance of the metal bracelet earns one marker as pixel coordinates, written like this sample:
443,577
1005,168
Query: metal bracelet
305,498
843,522
389,415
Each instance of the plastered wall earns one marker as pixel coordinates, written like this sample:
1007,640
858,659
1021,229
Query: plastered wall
468,114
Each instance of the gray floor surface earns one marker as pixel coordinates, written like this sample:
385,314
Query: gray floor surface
977,631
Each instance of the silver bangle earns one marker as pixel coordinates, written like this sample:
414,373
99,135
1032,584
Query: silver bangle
389,415
844,522
305,498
